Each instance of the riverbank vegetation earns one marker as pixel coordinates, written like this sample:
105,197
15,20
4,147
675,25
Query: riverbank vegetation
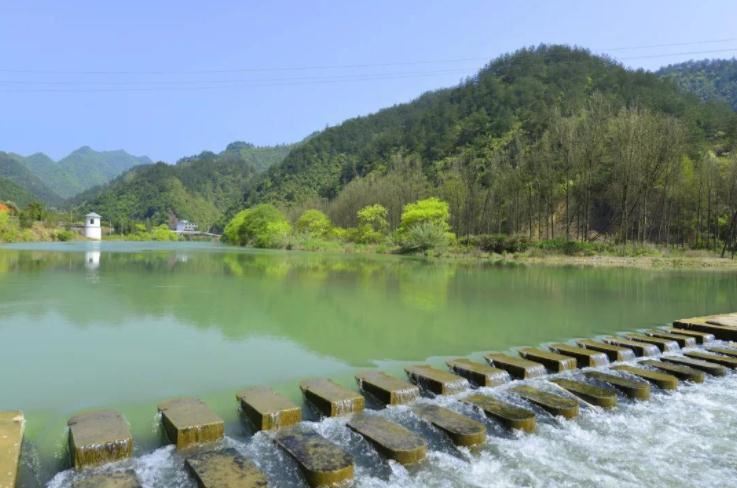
32,223
424,228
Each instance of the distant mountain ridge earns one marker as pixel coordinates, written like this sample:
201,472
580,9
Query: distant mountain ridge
198,188
82,169
13,169
708,79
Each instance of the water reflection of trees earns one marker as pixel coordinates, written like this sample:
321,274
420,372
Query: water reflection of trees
358,308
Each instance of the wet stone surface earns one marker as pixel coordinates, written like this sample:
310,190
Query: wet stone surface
635,389
705,366
330,398
12,425
614,353
225,469
727,361
552,361
511,416
707,325
390,439
639,348
584,357
596,395
665,345
189,421
516,367
680,339
701,337
322,462
727,351
98,437
477,373
727,320
435,380
118,479
554,404
663,380
680,371
267,409
463,431
386,388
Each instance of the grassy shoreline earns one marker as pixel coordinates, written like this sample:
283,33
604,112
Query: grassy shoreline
656,258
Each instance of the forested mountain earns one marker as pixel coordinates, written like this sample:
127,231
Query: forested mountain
540,142
10,192
708,79
198,188
13,170
80,170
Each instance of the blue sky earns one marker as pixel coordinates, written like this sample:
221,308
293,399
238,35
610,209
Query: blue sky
172,78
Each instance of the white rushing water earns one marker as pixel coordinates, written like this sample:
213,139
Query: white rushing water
679,439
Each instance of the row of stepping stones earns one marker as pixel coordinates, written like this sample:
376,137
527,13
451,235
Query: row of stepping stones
101,437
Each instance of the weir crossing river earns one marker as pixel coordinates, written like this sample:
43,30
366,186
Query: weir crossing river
128,325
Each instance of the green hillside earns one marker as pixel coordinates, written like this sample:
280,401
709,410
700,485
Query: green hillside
708,79
91,168
197,188
10,192
544,141
12,169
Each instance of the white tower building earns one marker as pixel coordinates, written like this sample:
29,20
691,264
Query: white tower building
92,229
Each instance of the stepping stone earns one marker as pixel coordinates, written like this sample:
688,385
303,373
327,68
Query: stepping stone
98,437
701,337
322,462
268,410
387,389
663,380
12,425
511,416
118,479
680,339
225,469
729,320
680,371
463,431
390,439
705,366
435,380
637,390
330,398
189,421
554,362
477,373
516,367
700,325
639,348
722,350
554,404
596,395
614,353
712,358
664,345
584,357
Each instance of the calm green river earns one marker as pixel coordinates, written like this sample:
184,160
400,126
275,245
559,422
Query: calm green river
126,325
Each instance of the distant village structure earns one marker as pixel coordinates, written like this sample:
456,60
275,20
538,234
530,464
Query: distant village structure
185,226
92,227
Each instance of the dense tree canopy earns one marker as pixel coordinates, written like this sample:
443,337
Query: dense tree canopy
547,142
709,79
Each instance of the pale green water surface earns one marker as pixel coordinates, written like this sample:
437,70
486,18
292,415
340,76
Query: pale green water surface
126,325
